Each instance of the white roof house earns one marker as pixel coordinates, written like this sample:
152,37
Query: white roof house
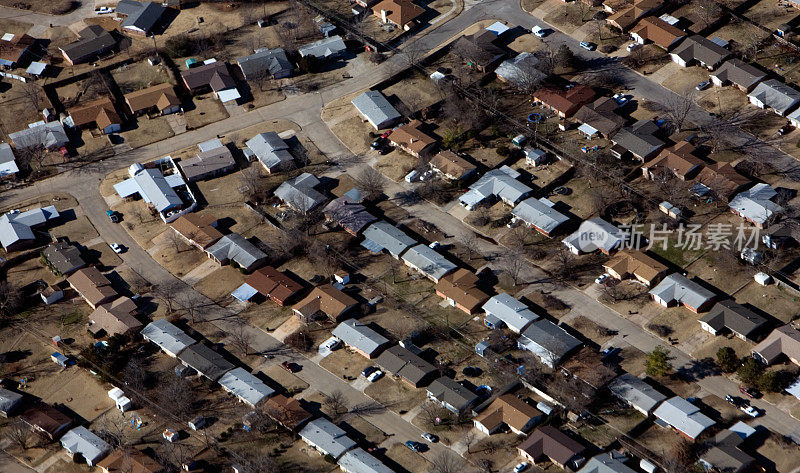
683,416
271,151
360,337
50,135
549,342
678,289
520,70
245,386
383,235
605,463
327,438
501,183
595,234
428,262
81,440
780,97
539,214
8,166
636,393
9,401
755,204
153,187
503,309
324,48
376,109
16,226
359,461
169,338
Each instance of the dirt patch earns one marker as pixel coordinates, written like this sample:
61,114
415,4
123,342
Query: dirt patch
395,394
51,7
20,104
410,461
147,131
139,75
354,133
343,363
218,285
396,165
292,383
207,110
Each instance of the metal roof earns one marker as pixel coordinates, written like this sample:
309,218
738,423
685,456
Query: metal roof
50,135
272,61
374,106
299,192
540,214
428,261
167,336
500,182
327,437
683,416
235,247
594,234
636,392
383,235
776,95
756,203
16,226
548,341
245,386
359,461
516,315
677,287
357,335
323,48
270,149
81,440
205,361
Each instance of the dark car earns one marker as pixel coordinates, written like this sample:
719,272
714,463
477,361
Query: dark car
290,366
785,129
415,446
750,392
736,401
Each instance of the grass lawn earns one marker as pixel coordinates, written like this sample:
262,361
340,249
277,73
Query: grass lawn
395,394
79,230
292,383
396,164
343,362
207,110
218,285
148,131
773,300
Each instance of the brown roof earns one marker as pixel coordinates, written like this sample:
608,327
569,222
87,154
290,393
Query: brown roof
46,418
510,410
658,31
565,101
161,96
129,461
460,286
12,50
92,285
451,164
274,284
601,115
115,317
399,12
783,340
626,17
100,111
550,442
287,411
326,299
677,159
635,263
410,136
198,228
722,178
214,75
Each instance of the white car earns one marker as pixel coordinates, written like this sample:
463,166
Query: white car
430,437
750,410
117,249
103,10
330,344
539,32
632,46
374,376
521,467
602,278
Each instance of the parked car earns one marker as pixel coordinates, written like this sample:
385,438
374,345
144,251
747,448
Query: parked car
632,46
749,392
368,371
198,423
540,32
430,437
736,401
103,10
290,366
521,467
377,144
610,351
331,344
589,46
785,129
113,216
412,176
703,85
376,375
750,410
602,278
620,98
116,247
415,446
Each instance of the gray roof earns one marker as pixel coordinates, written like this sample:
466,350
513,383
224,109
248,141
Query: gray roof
776,95
594,234
355,334
142,16
64,256
428,261
327,437
401,362
639,139
604,463
683,416
359,461
92,40
735,317
756,203
677,287
510,311
449,392
205,361
154,189
636,392
167,336
50,135
9,401
348,214
383,235
300,193
547,340
520,70
7,164
740,73
207,163
16,226
725,455
500,182
539,213
272,61
270,150
323,48
245,386
375,108
235,247
81,440
701,49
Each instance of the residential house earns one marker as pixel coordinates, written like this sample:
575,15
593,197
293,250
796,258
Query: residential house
406,365
451,395
98,113
155,188
503,310
773,94
677,289
327,48
271,284
360,338
8,164
565,102
234,248
460,290
286,411
595,234
81,441
214,159
521,71
325,301
383,236
46,420
348,214
727,315
720,179
129,460
600,118
697,49
115,318
271,151
558,447
739,73
159,99
636,392
326,438
265,63
658,31
169,338
93,41
508,412
428,261
756,205
10,402
411,139
245,386
549,342
359,461
63,257
635,264
638,140
299,193
501,183
678,160
376,109
14,48
199,230
139,18
539,214
625,18
606,463
451,166
479,50
205,361
403,13
93,286
212,76
726,455
784,340
683,416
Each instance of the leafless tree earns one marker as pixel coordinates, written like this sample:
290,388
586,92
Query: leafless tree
32,93
371,182
175,240
708,11
565,260
18,434
446,462
240,336
470,242
10,298
135,374
258,464
513,263
251,184
485,465
32,157
677,108
469,440
175,396
519,236
336,404
168,295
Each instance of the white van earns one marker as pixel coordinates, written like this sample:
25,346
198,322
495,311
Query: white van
539,32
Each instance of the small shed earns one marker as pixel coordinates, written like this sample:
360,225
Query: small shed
534,157
122,401
481,347
60,358
763,279
519,140
752,256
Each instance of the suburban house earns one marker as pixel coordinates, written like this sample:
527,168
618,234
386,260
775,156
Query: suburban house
451,166
683,416
565,102
794,118
299,193
159,99
479,50
406,365
727,315
98,113
426,260
549,342
624,18
539,214
501,183
50,135
116,317
205,361
739,73
123,460
503,310
460,290
521,71
271,151
639,140
13,48
325,301
93,286
508,411
199,230
156,189
212,76
595,234
451,395
286,411
403,13
773,94
46,420
383,236
265,63
658,31
16,228
327,48
599,118
360,338
784,340
10,402
214,159
166,336
411,139
755,205
606,463
376,109
81,441
234,248
359,461
678,160
93,41
677,289
8,163
720,179
245,386
348,214
326,438
269,283
558,447
701,50
635,264
139,18
636,392
725,453
63,257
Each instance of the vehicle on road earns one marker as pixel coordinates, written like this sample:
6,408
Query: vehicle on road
521,467
430,437
589,46
415,446
749,392
736,401
113,216
116,247
376,375
290,366
703,85
540,32
750,410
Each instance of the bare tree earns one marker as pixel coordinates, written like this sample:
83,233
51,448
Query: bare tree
677,108
10,298
240,336
175,240
251,183
258,464
32,93
18,434
336,404
135,374
32,157
371,182
446,462
168,295
513,263
469,440
565,260
470,242
175,396
708,11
